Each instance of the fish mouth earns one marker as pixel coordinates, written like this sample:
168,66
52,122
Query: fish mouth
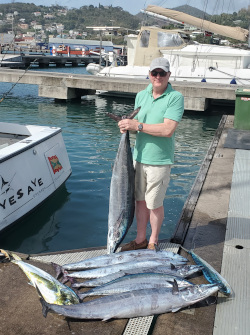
197,293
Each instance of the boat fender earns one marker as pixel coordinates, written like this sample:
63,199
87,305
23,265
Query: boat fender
233,81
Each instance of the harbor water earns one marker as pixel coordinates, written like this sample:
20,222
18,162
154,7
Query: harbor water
76,215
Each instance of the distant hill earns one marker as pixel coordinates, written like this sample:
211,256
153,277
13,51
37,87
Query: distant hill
55,19
192,11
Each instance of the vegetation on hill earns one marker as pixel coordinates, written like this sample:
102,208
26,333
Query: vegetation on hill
87,16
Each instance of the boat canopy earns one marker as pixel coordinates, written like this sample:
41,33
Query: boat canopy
236,33
151,40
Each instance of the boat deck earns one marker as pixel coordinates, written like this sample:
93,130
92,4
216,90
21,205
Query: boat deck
219,232
8,139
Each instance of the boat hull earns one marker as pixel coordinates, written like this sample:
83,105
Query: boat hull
182,73
31,170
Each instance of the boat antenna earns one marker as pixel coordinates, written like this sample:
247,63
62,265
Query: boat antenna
249,36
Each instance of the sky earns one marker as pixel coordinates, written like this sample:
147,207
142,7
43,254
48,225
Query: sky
134,6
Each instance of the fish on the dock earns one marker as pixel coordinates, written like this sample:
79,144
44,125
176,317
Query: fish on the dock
122,257
211,274
103,271
50,288
122,189
182,271
135,304
133,282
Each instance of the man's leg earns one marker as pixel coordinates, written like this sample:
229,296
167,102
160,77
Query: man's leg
156,219
142,217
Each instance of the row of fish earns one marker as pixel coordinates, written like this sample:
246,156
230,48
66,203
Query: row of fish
143,282
132,284
113,263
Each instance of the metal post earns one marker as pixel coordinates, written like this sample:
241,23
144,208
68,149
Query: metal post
100,59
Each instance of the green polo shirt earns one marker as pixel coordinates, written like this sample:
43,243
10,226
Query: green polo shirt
150,149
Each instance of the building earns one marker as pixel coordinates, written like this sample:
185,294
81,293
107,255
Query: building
6,39
23,26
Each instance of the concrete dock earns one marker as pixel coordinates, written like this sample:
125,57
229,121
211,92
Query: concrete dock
216,228
61,86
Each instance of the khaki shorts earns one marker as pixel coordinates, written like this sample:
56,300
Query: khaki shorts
151,183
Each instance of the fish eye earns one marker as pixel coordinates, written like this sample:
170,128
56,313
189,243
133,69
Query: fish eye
117,234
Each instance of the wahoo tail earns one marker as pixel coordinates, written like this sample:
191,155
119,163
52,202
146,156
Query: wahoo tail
129,116
58,268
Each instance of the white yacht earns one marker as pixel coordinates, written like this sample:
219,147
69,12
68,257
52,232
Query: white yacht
188,61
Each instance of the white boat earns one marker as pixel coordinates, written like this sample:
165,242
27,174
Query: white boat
188,62
33,164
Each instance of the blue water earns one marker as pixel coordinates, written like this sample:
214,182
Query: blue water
76,216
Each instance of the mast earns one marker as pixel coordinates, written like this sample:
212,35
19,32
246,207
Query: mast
101,29
236,33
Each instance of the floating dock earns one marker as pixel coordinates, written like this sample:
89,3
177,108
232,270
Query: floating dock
215,223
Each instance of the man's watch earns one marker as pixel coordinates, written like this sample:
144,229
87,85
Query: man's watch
140,126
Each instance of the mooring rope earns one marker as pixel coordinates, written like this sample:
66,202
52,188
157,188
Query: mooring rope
211,68
6,93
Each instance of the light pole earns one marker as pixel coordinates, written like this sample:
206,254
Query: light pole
112,28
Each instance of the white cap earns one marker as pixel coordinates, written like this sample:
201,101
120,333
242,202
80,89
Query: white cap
160,63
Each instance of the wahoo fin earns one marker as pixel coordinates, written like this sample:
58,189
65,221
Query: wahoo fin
175,289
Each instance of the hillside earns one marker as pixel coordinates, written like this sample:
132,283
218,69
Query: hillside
55,19
70,18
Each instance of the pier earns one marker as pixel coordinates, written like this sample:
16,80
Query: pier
23,61
64,86
216,217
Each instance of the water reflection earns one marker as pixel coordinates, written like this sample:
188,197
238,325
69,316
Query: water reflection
35,232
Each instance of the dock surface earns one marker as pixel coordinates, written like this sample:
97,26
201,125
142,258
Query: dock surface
219,232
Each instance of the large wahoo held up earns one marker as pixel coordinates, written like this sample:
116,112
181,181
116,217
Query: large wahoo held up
122,187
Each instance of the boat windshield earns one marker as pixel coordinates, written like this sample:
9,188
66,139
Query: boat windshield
169,39
164,39
144,40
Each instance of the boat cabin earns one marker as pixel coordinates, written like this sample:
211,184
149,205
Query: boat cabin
147,45
176,46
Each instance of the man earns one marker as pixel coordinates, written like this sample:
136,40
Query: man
161,110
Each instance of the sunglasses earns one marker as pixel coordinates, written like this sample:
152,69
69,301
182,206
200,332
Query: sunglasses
161,73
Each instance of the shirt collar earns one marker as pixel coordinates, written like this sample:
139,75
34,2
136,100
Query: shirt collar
167,91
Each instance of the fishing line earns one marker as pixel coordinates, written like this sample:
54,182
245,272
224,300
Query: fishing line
6,93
